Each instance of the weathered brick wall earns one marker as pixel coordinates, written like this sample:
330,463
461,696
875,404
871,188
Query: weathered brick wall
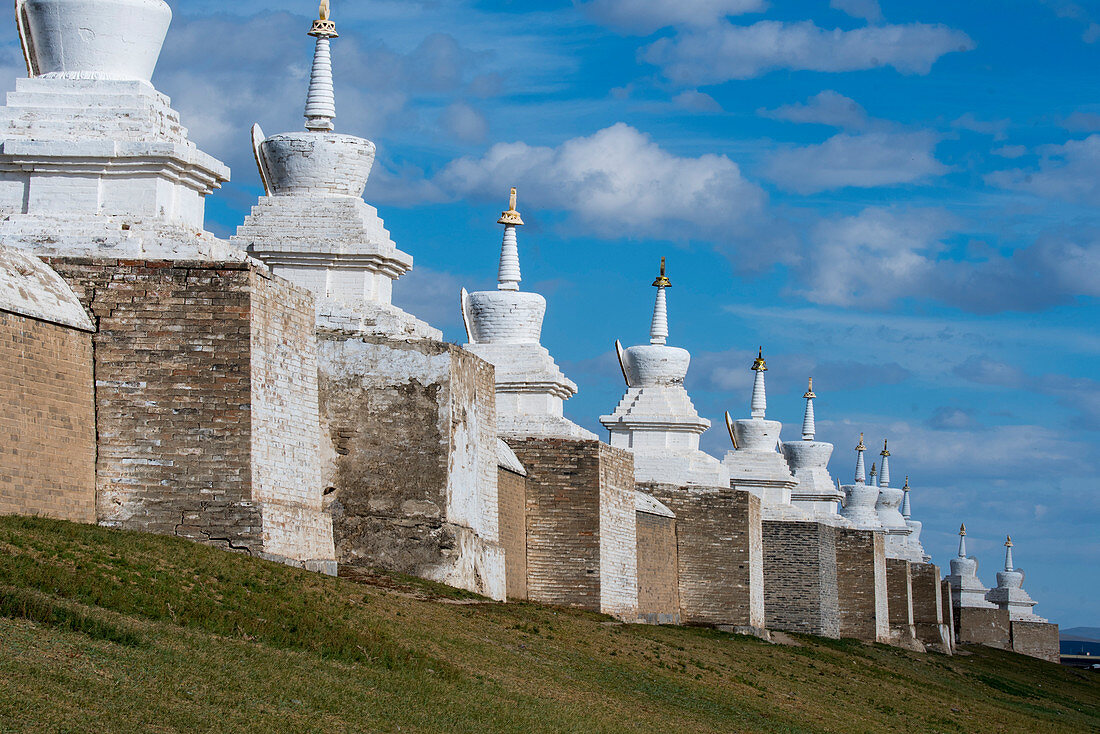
861,595
899,586
928,607
948,611
618,533
800,581
989,627
409,455
658,592
172,373
47,420
512,494
205,403
719,554
1037,639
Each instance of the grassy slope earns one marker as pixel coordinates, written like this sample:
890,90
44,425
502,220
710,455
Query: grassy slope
116,632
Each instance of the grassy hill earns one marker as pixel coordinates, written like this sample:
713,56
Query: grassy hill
122,632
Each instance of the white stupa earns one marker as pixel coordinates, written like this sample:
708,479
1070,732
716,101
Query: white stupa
504,327
861,498
815,494
755,464
1009,593
312,226
915,527
95,160
656,418
966,589
888,506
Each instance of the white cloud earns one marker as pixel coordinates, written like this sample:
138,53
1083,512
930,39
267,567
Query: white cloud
994,128
825,108
1070,172
869,10
866,160
646,16
1010,151
728,51
697,101
465,123
616,182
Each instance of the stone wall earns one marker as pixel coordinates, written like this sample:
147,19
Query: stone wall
187,358
1037,639
658,592
928,607
899,590
581,531
948,611
719,552
800,577
980,626
47,420
512,495
409,457
861,584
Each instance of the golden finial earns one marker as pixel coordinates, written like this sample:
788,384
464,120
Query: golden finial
874,471
861,447
511,216
662,279
906,487
962,530
323,27
1008,543
810,392
885,450
760,365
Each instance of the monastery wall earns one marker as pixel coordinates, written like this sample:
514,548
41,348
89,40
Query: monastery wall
658,592
581,533
1037,639
928,619
899,590
47,420
719,552
512,496
861,584
180,404
800,577
979,626
409,458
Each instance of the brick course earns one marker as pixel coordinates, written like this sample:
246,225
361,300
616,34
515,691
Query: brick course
658,592
928,607
800,577
861,582
47,420
899,586
512,495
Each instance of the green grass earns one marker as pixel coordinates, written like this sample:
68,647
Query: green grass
122,632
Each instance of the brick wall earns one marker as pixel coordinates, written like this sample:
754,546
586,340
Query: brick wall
948,611
719,554
1037,639
47,420
191,404
581,537
658,592
928,607
899,589
800,581
861,595
512,494
409,455
979,626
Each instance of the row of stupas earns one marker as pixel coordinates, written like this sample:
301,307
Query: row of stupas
263,393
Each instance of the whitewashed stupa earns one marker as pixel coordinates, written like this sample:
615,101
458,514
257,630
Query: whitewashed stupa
755,464
915,527
312,226
95,160
816,494
966,589
504,327
1009,593
888,506
861,497
656,418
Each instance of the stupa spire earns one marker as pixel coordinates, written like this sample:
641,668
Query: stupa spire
906,510
759,404
861,472
884,475
658,330
962,541
874,475
809,430
508,277
321,100
1008,555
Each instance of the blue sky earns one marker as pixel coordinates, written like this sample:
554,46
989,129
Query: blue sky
897,198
